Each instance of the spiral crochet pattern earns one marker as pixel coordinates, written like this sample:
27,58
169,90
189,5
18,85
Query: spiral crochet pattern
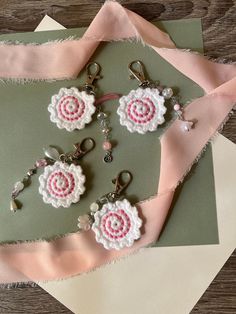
71,109
117,225
142,110
61,184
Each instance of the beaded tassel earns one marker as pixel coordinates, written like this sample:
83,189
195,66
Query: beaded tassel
19,186
186,125
106,130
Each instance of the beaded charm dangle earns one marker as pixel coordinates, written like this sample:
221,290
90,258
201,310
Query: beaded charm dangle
62,182
104,123
71,109
106,130
115,221
186,125
143,109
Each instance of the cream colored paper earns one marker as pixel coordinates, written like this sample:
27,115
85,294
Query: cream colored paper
48,24
175,277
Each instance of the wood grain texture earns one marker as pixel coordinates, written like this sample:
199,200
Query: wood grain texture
219,33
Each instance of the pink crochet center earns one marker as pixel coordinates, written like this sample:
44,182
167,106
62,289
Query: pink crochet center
144,117
123,225
61,191
70,115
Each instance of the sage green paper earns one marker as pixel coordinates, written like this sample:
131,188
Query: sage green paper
26,129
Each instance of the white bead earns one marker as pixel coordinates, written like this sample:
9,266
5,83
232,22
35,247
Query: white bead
167,93
19,186
84,218
186,126
94,207
84,222
52,153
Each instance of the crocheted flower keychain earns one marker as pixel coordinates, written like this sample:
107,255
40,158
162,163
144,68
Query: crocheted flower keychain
143,109
71,109
115,222
62,181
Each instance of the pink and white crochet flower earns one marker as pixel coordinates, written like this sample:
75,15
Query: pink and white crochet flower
117,225
71,109
61,184
142,110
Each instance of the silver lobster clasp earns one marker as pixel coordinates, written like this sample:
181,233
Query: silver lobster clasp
136,69
92,69
122,181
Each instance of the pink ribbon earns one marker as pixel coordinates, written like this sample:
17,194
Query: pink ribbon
78,253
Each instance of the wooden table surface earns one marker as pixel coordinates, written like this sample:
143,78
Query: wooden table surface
219,33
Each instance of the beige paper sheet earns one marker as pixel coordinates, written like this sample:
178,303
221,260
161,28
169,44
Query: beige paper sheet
174,277
48,24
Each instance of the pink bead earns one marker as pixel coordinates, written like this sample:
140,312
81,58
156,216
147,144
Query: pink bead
41,163
107,145
176,107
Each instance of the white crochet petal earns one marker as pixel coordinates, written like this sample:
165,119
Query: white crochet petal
61,184
71,109
142,110
117,225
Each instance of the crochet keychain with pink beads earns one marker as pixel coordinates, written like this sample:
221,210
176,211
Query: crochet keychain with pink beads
72,109
143,109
